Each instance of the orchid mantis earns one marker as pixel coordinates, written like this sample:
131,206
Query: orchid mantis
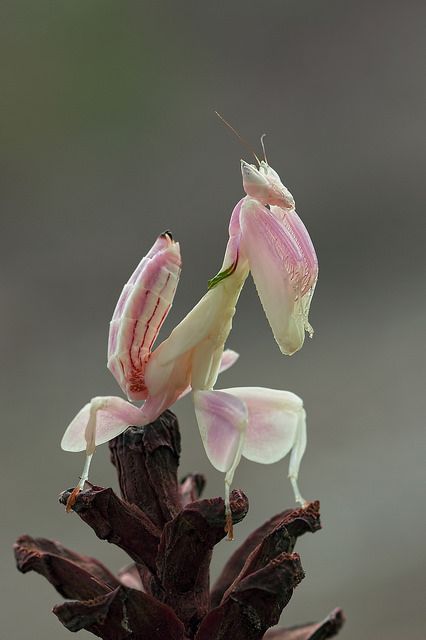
267,238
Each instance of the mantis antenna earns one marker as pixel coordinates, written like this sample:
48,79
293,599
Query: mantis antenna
263,147
240,138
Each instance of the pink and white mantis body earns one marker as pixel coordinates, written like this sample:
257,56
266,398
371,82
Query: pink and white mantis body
261,424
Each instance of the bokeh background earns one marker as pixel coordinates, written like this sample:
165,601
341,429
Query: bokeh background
108,137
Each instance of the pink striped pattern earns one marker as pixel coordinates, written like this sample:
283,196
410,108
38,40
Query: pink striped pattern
140,312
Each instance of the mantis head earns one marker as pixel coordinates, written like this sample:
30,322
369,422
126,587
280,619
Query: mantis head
264,185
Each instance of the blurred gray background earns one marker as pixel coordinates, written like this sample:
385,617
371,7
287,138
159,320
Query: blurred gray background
108,137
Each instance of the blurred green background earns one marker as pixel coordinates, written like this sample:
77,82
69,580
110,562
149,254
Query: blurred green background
107,138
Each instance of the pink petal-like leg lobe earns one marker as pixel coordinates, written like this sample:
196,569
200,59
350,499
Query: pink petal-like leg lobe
276,426
222,421
273,417
102,419
140,312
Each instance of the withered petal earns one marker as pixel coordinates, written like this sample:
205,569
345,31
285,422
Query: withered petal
118,522
185,553
256,602
123,614
303,519
328,628
281,539
72,575
296,521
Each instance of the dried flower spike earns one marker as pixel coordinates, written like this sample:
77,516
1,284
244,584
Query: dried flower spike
165,593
